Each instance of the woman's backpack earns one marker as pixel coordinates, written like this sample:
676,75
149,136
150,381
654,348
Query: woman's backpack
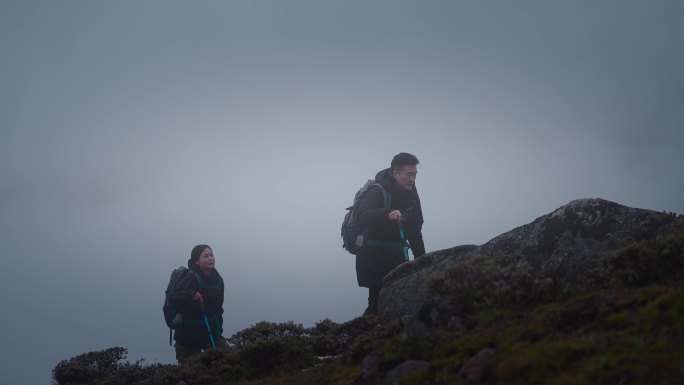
172,315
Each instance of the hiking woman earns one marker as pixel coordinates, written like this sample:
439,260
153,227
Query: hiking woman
199,298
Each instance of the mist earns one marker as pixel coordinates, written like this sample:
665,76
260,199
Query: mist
132,131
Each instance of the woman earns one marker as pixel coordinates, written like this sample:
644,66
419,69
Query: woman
199,294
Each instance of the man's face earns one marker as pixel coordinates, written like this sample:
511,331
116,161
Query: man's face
405,176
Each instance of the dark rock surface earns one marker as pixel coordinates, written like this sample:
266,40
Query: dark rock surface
563,244
476,369
401,371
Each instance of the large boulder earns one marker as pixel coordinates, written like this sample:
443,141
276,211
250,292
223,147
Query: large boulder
562,245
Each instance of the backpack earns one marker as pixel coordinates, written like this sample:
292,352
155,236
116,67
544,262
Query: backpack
352,233
173,316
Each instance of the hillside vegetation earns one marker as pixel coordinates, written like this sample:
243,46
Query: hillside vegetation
498,322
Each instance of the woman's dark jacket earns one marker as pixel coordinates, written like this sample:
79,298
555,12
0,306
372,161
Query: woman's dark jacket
193,331
373,262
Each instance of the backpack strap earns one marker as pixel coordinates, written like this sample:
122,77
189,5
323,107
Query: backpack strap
387,197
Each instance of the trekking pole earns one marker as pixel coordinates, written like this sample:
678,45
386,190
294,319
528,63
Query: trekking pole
206,322
403,241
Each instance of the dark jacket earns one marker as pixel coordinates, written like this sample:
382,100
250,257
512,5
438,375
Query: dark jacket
194,331
382,250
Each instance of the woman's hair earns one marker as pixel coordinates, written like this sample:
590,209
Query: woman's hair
404,159
196,251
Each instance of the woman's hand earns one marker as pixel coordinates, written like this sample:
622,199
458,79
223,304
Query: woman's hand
198,297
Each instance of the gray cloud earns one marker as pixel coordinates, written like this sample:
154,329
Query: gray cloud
131,132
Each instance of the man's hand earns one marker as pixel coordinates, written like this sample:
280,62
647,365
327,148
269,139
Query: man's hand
395,216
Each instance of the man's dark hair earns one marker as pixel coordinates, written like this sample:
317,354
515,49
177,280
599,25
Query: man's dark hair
404,159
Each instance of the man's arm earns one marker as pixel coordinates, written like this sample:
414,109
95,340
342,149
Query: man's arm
417,244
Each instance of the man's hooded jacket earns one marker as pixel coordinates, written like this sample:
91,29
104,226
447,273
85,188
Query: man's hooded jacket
382,250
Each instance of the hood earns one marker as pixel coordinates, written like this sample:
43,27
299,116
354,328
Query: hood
385,179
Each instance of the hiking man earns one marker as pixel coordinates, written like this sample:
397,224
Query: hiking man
198,298
383,247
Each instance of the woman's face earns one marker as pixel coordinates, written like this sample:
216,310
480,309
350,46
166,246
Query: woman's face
206,260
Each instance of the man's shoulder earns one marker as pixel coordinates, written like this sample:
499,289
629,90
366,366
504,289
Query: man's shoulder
374,190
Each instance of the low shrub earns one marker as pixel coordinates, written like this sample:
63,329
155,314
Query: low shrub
645,262
87,367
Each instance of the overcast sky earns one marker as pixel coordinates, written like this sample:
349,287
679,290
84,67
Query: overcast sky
132,130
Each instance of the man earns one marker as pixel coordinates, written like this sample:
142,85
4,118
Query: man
383,247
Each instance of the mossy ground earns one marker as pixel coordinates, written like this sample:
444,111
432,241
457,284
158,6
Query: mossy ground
623,325
627,336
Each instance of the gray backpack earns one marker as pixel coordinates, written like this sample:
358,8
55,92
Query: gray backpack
352,233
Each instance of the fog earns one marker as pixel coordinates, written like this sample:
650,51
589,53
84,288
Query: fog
132,131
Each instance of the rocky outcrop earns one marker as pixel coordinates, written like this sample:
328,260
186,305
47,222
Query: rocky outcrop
404,290
562,245
568,296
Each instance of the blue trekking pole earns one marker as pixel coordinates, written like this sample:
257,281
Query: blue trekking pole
206,322
403,241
